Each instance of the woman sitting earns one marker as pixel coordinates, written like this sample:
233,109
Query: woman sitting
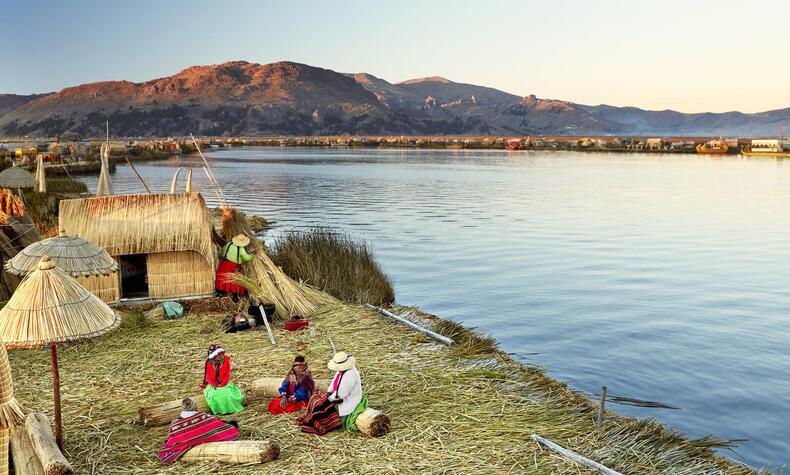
296,389
233,256
341,404
220,393
194,428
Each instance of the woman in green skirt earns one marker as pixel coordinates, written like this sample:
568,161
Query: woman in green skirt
221,396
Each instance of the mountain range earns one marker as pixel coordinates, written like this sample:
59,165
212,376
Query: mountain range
286,98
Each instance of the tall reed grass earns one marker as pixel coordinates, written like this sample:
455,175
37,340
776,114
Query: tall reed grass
335,263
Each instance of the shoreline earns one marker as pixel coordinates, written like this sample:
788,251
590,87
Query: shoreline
155,148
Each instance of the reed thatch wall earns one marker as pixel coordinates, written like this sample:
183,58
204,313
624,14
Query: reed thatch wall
106,287
174,231
179,274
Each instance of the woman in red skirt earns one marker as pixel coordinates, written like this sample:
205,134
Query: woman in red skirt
296,389
233,256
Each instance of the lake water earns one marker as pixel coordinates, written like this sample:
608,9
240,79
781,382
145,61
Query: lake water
664,277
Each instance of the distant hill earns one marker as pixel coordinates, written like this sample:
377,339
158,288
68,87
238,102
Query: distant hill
285,98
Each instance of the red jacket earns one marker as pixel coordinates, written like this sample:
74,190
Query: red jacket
217,374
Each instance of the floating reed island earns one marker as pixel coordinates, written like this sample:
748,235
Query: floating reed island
442,398
454,409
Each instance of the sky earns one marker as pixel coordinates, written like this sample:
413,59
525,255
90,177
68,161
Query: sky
691,56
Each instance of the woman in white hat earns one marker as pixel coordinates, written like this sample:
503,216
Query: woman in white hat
346,389
233,256
341,404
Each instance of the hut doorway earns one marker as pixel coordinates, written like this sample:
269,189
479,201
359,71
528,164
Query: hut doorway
134,276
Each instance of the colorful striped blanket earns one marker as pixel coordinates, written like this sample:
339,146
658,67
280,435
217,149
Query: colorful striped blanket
322,415
187,432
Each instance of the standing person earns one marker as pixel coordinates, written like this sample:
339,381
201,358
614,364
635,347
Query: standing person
296,389
233,256
221,395
343,402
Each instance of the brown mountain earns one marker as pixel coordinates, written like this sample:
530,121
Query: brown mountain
240,98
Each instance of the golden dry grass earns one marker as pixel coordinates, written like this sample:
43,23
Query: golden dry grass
450,413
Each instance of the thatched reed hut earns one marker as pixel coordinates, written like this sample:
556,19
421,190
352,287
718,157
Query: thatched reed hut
16,177
163,244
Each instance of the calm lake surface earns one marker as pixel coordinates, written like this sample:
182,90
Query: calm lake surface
663,277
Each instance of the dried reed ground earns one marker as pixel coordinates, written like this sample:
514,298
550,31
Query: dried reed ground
451,412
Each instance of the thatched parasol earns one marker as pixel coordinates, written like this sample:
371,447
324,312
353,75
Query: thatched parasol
16,177
74,255
49,307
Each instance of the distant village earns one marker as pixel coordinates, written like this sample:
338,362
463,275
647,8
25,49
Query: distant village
73,154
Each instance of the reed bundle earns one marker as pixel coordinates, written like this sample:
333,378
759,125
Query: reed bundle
73,255
450,412
16,234
43,441
237,451
26,461
267,282
11,205
373,422
164,413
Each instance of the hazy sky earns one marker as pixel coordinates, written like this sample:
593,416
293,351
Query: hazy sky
691,55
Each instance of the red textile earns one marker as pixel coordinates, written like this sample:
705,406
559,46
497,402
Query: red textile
295,406
187,432
226,274
217,374
322,415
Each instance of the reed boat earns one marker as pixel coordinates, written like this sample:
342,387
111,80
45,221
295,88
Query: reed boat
766,148
716,147
748,152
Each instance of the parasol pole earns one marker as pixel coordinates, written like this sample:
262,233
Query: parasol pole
53,349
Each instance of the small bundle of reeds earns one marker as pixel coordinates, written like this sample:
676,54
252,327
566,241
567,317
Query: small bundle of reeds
42,442
237,451
373,422
267,282
10,205
165,412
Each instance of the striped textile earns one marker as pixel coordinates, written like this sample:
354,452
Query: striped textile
187,432
322,415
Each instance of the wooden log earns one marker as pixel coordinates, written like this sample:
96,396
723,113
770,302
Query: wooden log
26,461
373,423
573,456
238,451
44,445
164,412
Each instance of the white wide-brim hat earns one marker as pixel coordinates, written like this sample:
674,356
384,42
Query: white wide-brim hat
341,362
241,240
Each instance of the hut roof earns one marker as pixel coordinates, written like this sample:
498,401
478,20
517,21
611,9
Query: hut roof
51,307
74,255
16,177
142,224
